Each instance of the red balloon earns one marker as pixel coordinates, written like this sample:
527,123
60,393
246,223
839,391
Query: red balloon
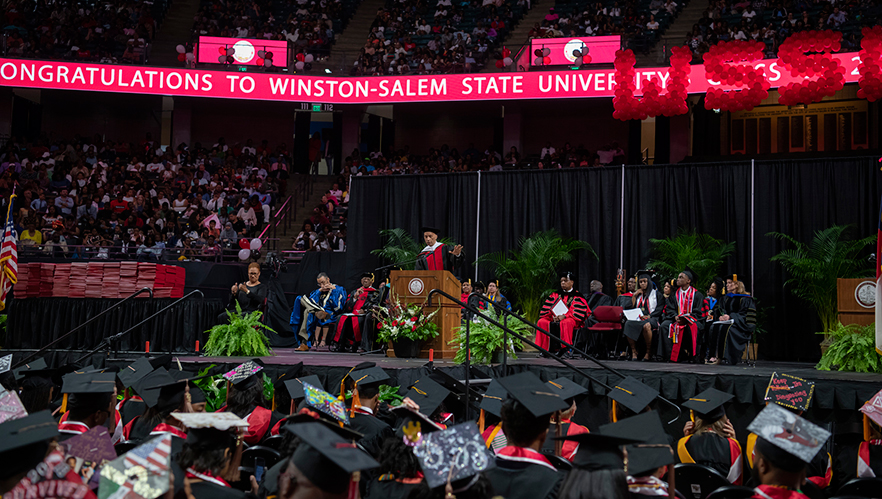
505,53
500,64
222,50
546,60
182,57
244,243
299,57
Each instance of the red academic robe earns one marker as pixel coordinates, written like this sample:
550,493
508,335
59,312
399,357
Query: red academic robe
577,311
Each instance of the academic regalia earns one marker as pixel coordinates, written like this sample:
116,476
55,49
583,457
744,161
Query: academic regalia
329,461
85,393
363,419
331,302
24,443
624,301
707,448
673,335
652,304
205,434
260,419
820,470
577,311
354,315
491,403
644,458
742,311
571,392
211,487
500,300
439,257
772,492
389,487
132,405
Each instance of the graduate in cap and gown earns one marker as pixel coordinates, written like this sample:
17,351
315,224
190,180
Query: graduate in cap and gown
399,471
324,465
862,459
566,309
786,443
680,321
437,255
88,400
354,319
291,395
132,405
490,419
624,300
599,468
430,396
710,438
211,455
561,422
245,399
648,460
522,471
740,308
454,463
24,443
628,398
496,297
281,400
363,411
651,303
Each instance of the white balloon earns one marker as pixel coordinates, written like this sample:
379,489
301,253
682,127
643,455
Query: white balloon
231,50
308,58
181,49
578,61
222,59
256,244
261,53
191,56
299,65
545,52
538,61
267,63
507,61
577,53
244,254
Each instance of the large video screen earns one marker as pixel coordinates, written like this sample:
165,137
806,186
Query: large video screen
245,51
602,49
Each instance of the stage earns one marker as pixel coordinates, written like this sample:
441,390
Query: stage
837,397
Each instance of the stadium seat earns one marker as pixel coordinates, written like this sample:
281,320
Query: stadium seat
270,456
862,487
696,481
273,442
731,492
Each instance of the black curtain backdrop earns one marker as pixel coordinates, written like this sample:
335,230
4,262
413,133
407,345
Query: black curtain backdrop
796,197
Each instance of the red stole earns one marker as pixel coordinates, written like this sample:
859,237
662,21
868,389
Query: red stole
163,428
570,447
863,463
259,423
356,327
675,332
206,476
435,259
772,492
72,427
523,455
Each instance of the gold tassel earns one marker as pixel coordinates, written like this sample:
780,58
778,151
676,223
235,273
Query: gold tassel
615,409
356,401
691,415
481,422
342,396
64,404
867,433
734,277
558,432
274,401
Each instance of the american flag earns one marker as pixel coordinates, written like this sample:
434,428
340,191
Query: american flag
8,257
153,455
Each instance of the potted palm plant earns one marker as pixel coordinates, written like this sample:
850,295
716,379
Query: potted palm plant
814,268
242,337
700,252
528,271
406,327
486,340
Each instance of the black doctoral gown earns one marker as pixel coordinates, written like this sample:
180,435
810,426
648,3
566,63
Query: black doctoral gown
519,480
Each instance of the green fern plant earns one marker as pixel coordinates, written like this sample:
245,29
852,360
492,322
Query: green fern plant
215,389
853,349
401,246
485,338
700,252
529,271
242,337
814,268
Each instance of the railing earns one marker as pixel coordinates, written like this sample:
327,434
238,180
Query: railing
303,186
82,252
81,326
506,330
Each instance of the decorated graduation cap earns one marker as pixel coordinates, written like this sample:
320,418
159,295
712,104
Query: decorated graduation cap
319,400
709,404
454,456
528,390
87,392
5,363
652,452
632,395
790,391
295,386
134,372
872,411
211,430
244,375
95,445
414,424
567,389
427,394
24,442
327,460
11,406
785,439
599,452
131,476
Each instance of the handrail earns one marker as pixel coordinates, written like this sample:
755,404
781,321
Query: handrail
81,326
554,356
108,342
281,211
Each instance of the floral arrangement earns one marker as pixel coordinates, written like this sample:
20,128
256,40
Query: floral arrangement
399,321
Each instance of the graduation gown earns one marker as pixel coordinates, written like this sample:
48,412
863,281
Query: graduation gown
130,408
673,335
577,311
709,449
355,313
651,304
209,488
261,421
500,300
522,473
596,300
863,460
374,430
569,449
624,301
439,257
742,311
69,429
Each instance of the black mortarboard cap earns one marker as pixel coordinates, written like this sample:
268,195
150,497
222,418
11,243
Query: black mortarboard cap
133,372
599,452
367,274
429,228
161,361
75,383
653,452
568,274
326,459
197,396
645,273
291,373
632,394
345,432
34,365
708,405
369,376
493,398
406,416
295,386
24,442
427,394
150,387
790,391
567,388
689,273
785,439
533,394
244,374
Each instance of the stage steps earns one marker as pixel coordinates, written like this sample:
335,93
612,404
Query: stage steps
175,30
517,37
349,43
322,185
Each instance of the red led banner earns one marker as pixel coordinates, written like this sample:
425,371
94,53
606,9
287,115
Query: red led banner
371,90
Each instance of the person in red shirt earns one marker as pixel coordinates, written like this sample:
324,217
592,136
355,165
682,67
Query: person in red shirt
119,205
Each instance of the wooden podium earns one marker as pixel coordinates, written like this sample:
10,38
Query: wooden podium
856,299
413,286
